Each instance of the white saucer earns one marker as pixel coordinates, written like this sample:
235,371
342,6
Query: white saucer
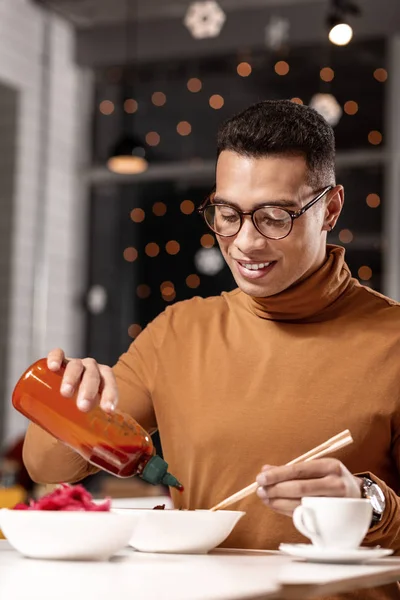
322,555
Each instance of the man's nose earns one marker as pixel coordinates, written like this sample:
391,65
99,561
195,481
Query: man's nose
249,238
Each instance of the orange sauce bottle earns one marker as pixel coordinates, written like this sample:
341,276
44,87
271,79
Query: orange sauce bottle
114,442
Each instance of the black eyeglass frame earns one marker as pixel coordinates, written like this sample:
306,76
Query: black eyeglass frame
293,214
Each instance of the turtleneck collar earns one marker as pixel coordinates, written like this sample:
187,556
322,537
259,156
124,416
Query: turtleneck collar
310,298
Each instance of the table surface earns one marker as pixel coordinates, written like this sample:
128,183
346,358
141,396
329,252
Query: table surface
220,575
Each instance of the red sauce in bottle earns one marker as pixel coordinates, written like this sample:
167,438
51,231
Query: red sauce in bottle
114,442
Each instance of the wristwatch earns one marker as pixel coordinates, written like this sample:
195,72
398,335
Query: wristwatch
373,493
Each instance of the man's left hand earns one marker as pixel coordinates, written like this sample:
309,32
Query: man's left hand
282,488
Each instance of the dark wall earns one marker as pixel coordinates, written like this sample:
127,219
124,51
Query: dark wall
112,229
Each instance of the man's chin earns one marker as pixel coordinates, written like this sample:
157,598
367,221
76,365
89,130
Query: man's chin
256,290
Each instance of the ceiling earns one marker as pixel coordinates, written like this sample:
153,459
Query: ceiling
99,13
156,32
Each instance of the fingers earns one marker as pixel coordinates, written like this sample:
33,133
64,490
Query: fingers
285,506
93,382
90,385
72,377
331,485
109,394
266,468
281,488
305,470
55,358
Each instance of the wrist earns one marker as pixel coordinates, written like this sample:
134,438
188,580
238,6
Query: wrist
359,484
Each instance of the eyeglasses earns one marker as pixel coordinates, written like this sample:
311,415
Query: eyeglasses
272,222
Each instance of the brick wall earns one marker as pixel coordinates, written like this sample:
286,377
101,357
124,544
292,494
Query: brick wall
48,238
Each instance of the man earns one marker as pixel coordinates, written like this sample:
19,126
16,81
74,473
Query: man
297,353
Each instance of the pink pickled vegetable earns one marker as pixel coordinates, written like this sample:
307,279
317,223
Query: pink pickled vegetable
67,498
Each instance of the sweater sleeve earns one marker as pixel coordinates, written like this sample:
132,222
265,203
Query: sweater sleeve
386,533
50,461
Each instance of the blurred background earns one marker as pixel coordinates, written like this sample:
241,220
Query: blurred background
108,115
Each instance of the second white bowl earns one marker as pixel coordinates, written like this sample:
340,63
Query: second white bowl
182,531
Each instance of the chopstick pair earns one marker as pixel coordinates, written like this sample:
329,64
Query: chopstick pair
335,443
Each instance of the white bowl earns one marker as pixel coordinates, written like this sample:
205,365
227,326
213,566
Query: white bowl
182,531
67,535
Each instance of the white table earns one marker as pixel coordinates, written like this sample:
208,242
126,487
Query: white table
222,575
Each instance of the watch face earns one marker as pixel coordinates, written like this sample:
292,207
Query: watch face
377,498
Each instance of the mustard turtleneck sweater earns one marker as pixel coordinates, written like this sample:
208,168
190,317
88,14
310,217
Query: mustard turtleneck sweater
234,382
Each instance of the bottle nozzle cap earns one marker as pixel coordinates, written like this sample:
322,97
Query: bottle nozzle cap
156,472
172,481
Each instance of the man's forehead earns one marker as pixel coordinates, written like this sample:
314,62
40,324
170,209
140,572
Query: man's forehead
276,170
261,180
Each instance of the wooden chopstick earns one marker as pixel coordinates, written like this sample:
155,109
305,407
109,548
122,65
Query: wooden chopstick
336,438
335,443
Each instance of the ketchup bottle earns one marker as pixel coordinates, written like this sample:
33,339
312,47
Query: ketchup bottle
114,442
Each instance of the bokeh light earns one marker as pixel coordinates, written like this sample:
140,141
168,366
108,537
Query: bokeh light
159,209
373,200
380,75
134,330
137,215
130,106
281,67
165,285
169,297
194,85
158,98
152,249
152,138
365,273
375,137
207,240
172,247
168,291
327,74
184,128
130,254
193,281
187,207
216,101
345,236
244,69
106,107
350,107
341,34
143,291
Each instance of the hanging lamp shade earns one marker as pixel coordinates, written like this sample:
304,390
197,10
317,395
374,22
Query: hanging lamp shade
339,27
340,33
128,157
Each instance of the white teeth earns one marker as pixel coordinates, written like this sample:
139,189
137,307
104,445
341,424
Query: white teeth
255,266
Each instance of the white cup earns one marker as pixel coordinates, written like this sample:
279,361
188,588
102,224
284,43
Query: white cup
333,522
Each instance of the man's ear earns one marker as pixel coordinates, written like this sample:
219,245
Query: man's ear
334,205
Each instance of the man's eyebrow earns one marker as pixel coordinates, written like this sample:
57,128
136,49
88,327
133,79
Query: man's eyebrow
283,202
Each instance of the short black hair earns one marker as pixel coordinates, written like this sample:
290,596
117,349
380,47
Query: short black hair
283,127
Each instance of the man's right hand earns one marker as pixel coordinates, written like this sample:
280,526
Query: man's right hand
94,383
